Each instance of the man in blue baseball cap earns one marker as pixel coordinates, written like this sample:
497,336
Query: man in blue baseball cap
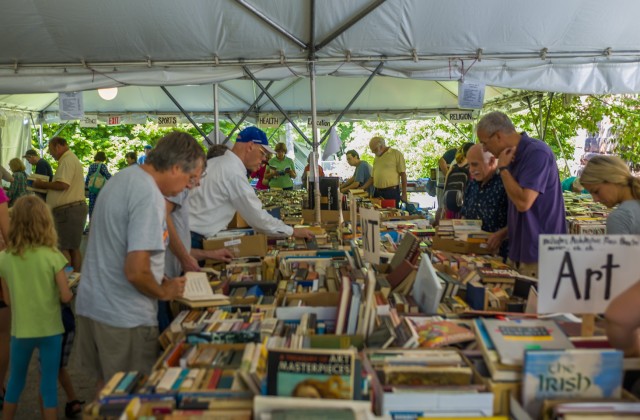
142,158
225,189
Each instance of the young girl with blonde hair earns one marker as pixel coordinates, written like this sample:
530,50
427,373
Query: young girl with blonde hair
34,284
611,183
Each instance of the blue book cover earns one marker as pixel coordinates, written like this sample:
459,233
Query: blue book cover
582,373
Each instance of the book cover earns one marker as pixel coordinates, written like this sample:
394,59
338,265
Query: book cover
312,373
427,288
512,338
571,373
433,334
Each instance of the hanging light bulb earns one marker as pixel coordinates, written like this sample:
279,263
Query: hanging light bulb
108,94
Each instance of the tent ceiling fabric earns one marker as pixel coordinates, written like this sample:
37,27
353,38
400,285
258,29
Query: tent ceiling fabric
571,46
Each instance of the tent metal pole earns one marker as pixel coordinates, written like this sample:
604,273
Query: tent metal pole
235,95
286,88
246,113
546,122
355,19
273,24
197,127
313,163
286,115
355,97
216,115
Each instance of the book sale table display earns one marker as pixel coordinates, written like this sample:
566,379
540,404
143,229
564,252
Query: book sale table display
383,316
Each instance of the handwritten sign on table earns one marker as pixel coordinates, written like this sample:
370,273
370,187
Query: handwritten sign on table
370,224
583,273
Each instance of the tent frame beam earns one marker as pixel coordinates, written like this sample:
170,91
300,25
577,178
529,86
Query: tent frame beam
186,114
277,105
274,25
246,113
351,22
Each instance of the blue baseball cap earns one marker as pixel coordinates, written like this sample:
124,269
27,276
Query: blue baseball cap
255,135
148,146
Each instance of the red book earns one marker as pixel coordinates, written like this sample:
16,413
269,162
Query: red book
215,378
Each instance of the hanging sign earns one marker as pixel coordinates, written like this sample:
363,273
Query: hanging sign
470,95
460,117
370,224
167,120
583,273
269,121
322,123
89,120
114,120
70,106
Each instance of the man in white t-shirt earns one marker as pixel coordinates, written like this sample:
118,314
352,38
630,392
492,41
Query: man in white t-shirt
123,276
225,189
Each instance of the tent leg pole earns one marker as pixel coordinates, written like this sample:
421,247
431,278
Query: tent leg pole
216,115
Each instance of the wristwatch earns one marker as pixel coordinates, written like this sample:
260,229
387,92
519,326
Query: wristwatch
502,168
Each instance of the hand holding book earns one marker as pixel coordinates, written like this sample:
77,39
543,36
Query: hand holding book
173,288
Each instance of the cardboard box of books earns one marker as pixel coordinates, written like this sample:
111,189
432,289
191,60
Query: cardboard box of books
461,247
241,246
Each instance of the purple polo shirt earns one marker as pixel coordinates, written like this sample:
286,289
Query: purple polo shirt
534,167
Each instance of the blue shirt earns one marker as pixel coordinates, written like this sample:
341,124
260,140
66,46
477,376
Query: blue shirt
489,203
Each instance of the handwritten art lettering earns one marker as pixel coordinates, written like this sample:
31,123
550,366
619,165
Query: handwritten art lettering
582,274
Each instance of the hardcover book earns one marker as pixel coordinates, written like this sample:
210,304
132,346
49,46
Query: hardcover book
433,334
571,373
512,338
312,373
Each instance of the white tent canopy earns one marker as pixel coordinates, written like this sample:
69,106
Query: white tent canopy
426,46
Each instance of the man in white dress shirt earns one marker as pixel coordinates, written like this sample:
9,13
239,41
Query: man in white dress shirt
225,189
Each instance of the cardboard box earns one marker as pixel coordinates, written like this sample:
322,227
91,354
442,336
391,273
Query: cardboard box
461,247
326,216
237,222
241,246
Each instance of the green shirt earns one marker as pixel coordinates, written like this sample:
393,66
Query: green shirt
33,292
282,181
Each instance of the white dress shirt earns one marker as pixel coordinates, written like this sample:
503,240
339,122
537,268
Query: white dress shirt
223,191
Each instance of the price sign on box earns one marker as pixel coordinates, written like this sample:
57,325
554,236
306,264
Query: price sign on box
583,273
370,224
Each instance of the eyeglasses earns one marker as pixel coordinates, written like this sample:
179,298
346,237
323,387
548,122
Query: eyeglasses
195,179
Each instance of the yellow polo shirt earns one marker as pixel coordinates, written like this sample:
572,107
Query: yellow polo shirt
387,169
70,172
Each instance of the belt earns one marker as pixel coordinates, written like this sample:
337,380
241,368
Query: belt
387,188
64,206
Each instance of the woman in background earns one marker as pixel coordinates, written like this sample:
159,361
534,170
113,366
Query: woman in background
18,186
99,165
281,171
262,184
610,182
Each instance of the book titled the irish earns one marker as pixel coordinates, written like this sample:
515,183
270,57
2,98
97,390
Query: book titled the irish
311,373
570,373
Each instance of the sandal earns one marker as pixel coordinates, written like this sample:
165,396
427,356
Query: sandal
73,408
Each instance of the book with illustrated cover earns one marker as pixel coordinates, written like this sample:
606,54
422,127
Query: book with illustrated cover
436,333
571,373
512,338
318,373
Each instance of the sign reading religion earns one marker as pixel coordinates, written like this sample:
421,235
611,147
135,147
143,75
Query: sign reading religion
370,223
583,273
460,117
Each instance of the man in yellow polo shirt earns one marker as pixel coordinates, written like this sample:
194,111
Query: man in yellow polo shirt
389,175
66,199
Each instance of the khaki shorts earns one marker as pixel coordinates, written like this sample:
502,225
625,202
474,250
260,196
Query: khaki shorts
70,220
104,350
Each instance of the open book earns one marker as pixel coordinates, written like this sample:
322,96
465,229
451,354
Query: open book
198,292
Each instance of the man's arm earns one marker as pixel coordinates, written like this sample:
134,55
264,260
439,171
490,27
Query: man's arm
496,239
442,164
367,184
403,183
176,246
137,269
55,185
522,198
623,320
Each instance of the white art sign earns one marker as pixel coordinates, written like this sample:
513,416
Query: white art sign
470,95
70,106
370,224
583,273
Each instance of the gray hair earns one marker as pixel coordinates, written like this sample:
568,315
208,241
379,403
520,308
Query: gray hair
176,148
494,122
378,141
